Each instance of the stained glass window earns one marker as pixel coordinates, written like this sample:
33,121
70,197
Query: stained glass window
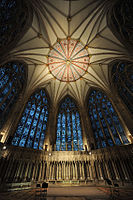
12,79
106,126
69,132
122,20
31,129
14,16
122,77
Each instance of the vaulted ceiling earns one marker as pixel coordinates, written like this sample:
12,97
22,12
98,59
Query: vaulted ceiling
81,20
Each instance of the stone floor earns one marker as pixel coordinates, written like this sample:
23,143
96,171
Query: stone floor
68,193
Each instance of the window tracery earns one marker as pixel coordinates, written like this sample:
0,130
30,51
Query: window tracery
69,132
121,19
12,78
106,126
122,77
31,129
14,17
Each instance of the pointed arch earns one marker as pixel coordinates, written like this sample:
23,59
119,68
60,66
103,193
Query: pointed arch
31,130
105,123
13,79
122,79
120,21
69,131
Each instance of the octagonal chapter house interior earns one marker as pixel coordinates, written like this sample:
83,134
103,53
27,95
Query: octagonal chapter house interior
66,91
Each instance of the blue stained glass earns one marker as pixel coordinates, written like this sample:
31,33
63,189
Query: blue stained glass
68,127
33,127
10,87
107,122
124,84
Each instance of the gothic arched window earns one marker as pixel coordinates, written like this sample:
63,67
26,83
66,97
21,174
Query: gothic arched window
32,126
122,77
14,20
13,76
106,126
69,132
121,20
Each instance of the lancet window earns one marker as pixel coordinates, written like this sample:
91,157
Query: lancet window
69,131
12,79
122,77
106,125
31,130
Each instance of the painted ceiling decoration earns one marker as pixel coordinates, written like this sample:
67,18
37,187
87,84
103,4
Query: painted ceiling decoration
68,48
68,60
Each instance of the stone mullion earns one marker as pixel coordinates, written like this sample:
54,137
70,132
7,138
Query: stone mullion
61,134
71,129
76,128
108,126
99,138
5,97
36,125
101,126
110,114
2,89
66,137
31,122
23,126
42,128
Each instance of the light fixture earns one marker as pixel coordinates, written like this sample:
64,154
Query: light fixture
4,147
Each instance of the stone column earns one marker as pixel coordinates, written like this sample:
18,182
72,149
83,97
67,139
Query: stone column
40,172
34,169
26,171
